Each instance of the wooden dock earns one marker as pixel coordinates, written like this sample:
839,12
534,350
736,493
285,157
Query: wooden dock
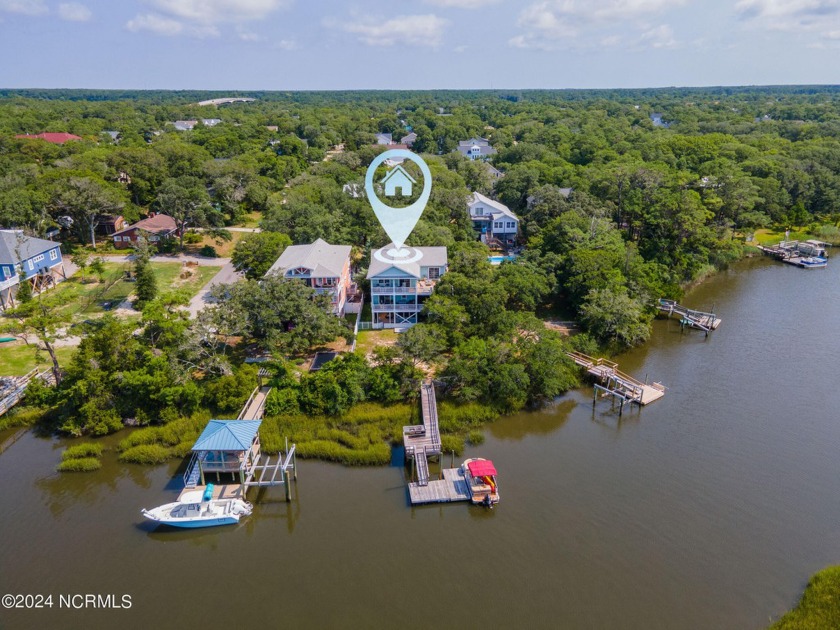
613,382
800,254
707,322
450,489
423,440
15,388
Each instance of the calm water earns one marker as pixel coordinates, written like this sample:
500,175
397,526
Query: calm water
708,509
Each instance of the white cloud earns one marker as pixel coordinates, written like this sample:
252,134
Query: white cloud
551,24
462,4
154,23
412,30
821,17
74,12
286,44
24,7
660,37
219,11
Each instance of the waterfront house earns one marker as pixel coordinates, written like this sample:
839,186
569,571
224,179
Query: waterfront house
52,138
28,259
400,289
494,222
476,148
398,179
384,138
155,229
323,267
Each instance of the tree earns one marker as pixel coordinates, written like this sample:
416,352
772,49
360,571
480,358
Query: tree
85,200
614,317
97,266
279,314
422,343
24,292
40,318
145,281
255,253
82,260
185,199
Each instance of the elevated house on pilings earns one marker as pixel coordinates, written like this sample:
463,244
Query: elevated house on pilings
225,446
27,259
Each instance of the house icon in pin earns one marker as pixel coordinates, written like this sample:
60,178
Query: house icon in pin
398,179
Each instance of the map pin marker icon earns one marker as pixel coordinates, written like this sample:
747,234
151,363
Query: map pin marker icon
398,222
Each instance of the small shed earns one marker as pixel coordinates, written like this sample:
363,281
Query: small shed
228,446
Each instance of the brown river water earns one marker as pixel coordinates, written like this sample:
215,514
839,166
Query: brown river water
709,508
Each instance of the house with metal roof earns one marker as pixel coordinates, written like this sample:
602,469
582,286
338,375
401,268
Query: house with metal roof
322,267
493,220
226,446
29,259
400,289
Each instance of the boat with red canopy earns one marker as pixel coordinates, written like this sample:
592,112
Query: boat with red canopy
480,475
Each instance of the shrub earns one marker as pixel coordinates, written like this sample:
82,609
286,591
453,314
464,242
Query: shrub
192,238
81,451
282,402
229,393
146,454
209,251
79,464
450,443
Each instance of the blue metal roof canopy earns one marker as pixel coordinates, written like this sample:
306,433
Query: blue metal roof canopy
227,435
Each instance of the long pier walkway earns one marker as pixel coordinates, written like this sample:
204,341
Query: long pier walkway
701,320
14,389
423,441
616,383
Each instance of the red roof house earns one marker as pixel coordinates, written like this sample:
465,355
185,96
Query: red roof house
155,228
54,138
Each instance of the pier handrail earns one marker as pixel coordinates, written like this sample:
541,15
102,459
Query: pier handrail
248,403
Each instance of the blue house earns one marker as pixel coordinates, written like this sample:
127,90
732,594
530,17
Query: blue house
34,260
398,179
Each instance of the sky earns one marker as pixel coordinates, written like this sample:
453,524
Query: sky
416,44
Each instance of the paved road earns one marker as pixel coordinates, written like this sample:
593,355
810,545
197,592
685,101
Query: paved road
226,275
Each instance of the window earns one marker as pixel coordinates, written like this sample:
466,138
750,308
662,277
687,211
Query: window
127,239
53,254
479,211
434,273
498,224
37,259
154,239
511,225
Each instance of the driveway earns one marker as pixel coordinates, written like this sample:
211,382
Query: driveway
201,261
202,299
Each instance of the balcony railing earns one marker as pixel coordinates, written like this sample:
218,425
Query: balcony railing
10,282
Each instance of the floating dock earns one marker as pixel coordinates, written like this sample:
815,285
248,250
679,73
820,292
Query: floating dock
613,382
707,322
450,489
805,254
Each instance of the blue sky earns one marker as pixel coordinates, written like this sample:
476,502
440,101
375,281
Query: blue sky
416,44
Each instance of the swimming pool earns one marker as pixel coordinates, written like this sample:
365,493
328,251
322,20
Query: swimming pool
498,260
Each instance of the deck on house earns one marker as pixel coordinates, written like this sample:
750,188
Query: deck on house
452,488
617,383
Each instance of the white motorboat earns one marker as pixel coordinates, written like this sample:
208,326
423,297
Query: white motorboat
193,511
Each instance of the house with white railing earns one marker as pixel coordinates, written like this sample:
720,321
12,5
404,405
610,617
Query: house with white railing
492,220
399,290
323,267
28,259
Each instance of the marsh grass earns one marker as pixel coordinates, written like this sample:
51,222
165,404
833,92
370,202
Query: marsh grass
819,606
80,464
146,454
82,451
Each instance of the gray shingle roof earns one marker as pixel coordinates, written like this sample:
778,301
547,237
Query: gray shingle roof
322,259
16,247
499,207
432,257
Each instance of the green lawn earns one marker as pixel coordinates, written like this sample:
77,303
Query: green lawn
771,237
90,297
17,358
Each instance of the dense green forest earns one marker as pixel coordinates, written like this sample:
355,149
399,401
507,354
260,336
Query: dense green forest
654,206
